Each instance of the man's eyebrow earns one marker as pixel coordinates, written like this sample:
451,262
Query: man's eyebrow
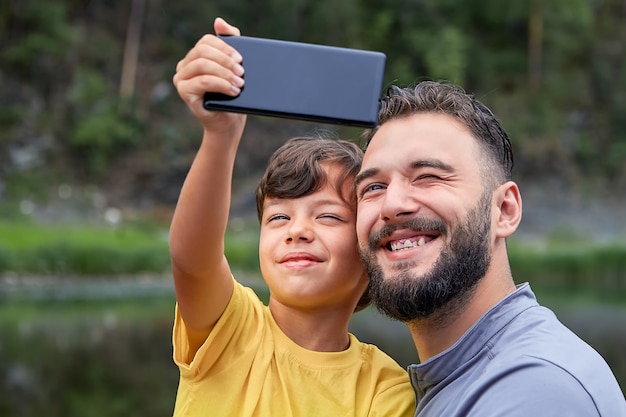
432,163
363,175
420,163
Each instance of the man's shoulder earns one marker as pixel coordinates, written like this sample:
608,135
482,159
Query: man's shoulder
537,338
541,358
536,385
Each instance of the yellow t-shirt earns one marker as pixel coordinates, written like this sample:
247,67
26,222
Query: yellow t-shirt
249,367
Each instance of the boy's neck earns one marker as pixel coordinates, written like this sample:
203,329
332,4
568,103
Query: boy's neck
320,331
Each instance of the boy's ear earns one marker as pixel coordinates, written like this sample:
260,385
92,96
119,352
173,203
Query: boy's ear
509,209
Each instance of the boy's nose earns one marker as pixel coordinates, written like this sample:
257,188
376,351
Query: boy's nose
300,231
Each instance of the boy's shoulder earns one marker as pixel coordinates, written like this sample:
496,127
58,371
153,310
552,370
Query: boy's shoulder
374,355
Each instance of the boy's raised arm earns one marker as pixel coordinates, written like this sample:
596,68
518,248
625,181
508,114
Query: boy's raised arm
201,273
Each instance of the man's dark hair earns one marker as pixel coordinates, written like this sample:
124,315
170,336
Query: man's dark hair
446,98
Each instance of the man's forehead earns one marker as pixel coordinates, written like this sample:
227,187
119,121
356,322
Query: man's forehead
421,141
429,129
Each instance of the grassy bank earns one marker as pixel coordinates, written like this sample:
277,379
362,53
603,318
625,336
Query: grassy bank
28,248
594,271
558,266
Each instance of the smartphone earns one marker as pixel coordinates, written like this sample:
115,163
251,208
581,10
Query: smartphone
305,81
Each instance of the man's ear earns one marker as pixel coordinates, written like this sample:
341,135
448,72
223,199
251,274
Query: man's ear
509,209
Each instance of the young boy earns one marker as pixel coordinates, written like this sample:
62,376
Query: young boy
295,356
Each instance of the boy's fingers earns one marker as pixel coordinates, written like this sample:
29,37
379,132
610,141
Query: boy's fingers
222,27
208,58
209,77
211,65
214,48
192,91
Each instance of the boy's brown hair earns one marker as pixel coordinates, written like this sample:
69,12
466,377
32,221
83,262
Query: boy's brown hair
296,169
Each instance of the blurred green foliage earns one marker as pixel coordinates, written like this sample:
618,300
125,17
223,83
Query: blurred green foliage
553,71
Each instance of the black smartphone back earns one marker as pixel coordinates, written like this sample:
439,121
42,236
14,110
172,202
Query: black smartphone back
305,81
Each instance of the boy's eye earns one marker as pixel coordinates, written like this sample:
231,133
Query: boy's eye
331,216
277,217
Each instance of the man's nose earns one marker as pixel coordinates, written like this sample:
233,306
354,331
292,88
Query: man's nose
399,202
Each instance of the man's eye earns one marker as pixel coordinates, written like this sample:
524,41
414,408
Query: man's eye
371,187
428,176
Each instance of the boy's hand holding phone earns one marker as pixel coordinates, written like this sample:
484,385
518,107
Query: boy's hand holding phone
213,66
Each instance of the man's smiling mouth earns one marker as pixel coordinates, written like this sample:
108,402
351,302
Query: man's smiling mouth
415,242
410,234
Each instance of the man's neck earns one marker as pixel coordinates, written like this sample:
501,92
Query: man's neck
441,330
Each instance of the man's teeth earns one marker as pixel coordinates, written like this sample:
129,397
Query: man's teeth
407,243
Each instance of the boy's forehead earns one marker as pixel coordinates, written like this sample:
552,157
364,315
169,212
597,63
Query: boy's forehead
325,196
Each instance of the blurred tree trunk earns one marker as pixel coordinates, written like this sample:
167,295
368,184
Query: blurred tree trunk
535,41
131,49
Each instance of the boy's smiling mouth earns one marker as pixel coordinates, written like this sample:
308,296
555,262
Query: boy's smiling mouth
299,258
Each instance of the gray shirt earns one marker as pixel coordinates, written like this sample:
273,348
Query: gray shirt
517,360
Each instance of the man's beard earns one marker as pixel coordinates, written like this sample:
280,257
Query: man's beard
450,282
